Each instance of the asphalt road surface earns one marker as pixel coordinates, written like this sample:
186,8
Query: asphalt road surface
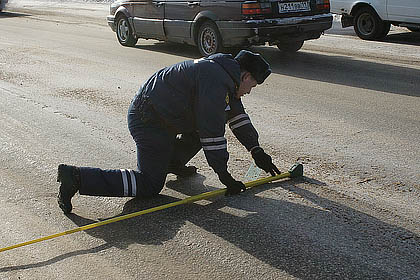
347,109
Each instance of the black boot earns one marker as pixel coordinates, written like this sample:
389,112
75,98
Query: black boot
182,170
69,177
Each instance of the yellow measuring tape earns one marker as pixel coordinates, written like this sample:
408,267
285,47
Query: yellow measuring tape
191,199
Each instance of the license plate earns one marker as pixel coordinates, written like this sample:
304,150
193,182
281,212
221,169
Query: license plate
294,7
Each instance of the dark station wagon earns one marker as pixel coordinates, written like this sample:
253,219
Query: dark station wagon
212,25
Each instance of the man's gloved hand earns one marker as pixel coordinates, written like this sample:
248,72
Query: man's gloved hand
264,161
233,186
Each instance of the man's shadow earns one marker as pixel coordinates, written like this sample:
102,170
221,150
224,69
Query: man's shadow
307,236
152,228
315,239
323,240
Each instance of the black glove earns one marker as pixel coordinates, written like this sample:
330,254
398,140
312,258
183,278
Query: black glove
233,186
264,161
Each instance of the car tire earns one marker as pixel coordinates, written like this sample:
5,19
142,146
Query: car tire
290,46
209,40
124,32
385,30
368,25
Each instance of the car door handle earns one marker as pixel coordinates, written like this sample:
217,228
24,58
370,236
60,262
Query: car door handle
159,4
193,4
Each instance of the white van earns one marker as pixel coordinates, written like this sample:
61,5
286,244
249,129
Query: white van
372,18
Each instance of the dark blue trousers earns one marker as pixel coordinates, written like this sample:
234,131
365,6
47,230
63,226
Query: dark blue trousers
157,148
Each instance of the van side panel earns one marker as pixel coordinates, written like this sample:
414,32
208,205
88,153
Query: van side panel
404,11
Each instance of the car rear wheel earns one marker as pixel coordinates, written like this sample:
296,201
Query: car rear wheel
368,25
290,46
209,40
124,32
385,30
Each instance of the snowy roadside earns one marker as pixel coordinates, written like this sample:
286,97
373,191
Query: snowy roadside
94,12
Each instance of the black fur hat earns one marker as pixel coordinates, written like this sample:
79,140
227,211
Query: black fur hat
255,64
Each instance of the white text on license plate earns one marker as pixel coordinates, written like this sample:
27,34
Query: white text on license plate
294,7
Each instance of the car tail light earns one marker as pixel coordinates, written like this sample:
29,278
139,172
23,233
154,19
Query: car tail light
256,8
323,5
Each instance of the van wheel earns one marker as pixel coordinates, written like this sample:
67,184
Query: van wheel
290,46
124,32
209,40
385,30
368,25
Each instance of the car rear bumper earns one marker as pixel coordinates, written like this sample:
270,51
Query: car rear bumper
274,30
111,22
289,20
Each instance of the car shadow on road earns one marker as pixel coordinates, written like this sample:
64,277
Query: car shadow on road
282,224
404,38
12,14
187,51
344,70
334,69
